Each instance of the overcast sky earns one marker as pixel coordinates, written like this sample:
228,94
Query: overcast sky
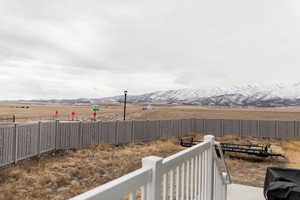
97,48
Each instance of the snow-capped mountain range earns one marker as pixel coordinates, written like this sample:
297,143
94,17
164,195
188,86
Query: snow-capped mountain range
236,96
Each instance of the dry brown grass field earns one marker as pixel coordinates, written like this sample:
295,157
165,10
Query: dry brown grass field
47,112
165,112
83,112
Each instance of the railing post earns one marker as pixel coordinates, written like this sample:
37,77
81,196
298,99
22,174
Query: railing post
210,165
225,177
154,187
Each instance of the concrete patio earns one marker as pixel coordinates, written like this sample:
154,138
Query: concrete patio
243,192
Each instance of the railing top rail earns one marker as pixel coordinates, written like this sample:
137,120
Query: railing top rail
182,156
119,187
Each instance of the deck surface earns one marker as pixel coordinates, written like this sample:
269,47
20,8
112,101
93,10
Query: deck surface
242,192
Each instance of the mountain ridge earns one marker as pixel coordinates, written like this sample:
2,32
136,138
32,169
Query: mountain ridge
255,95
237,96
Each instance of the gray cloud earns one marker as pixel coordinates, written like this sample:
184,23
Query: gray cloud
69,49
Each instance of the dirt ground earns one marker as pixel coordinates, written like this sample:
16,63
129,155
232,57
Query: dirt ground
69,173
36,112
292,149
171,112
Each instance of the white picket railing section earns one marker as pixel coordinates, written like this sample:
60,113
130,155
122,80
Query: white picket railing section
192,174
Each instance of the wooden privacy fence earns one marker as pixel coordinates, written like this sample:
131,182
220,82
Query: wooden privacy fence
24,140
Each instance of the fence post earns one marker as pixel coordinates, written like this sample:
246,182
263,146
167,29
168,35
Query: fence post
117,133
56,133
258,128
192,126
222,127
195,124
39,139
99,132
132,131
159,129
210,163
16,144
80,135
276,129
295,129
240,128
181,122
146,126
154,187
177,127
204,126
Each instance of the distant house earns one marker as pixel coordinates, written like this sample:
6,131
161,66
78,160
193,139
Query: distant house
148,107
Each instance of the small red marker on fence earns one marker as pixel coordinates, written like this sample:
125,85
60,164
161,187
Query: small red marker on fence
55,114
73,115
94,115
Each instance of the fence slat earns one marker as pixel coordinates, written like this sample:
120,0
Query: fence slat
139,131
286,129
124,131
47,136
68,135
6,144
249,128
199,125
231,127
108,132
267,128
213,127
89,132
27,140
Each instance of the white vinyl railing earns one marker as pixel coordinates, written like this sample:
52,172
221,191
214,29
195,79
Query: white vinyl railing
192,174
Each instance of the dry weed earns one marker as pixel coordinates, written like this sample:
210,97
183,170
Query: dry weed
73,172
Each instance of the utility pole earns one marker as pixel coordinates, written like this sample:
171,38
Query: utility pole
125,98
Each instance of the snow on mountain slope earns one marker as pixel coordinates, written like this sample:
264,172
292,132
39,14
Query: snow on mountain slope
246,95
